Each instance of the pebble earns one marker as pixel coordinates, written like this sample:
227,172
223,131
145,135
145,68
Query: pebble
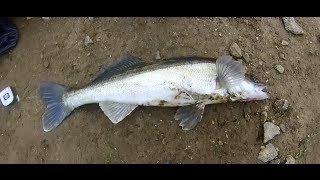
284,43
264,116
88,54
46,18
290,160
91,18
281,55
282,127
46,64
220,143
281,105
246,57
279,68
41,55
275,161
292,26
29,18
235,50
158,55
268,153
270,131
87,40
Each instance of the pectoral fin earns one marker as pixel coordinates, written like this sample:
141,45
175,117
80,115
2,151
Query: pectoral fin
189,115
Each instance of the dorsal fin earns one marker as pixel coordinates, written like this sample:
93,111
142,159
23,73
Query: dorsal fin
121,65
230,72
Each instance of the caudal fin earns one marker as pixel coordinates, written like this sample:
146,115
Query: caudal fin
56,111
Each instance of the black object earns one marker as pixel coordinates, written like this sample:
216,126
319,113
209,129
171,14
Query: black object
8,35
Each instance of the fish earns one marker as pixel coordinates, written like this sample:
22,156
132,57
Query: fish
189,83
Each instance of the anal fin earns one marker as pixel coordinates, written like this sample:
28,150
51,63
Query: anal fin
116,112
189,116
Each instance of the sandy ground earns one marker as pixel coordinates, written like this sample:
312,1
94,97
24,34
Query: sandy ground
229,133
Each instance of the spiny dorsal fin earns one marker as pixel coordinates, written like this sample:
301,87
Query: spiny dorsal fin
230,72
121,65
116,112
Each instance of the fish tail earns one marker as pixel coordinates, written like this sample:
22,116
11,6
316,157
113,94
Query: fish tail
56,110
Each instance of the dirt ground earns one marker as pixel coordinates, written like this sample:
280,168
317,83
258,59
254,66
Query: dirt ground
54,50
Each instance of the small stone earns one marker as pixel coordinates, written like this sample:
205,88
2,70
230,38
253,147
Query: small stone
260,63
270,131
281,55
290,160
220,143
264,116
158,55
46,64
284,43
41,55
279,68
28,18
88,54
275,161
246,58
46,18
292,26
220,34
268,153
282,127
87,40
91,18
281,105
235,50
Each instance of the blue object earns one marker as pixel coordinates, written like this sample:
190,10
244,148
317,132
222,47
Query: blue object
8,36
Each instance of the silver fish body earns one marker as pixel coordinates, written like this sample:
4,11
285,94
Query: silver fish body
177,83
128,83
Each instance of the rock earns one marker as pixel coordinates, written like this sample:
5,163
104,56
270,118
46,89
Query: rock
281,105
292,26
246,58
220,143
235,50
279,68
87,40
268,153
41,56
275,161
158,55
282,127
281,55
270,131
264,116
46,18
284,43
290,160
91,18
46,64
28,18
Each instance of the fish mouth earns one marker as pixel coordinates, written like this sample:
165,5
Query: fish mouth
264,89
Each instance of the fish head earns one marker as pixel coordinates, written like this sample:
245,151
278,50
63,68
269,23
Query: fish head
252,91
248,90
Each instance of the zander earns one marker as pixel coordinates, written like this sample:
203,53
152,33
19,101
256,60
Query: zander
189,82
